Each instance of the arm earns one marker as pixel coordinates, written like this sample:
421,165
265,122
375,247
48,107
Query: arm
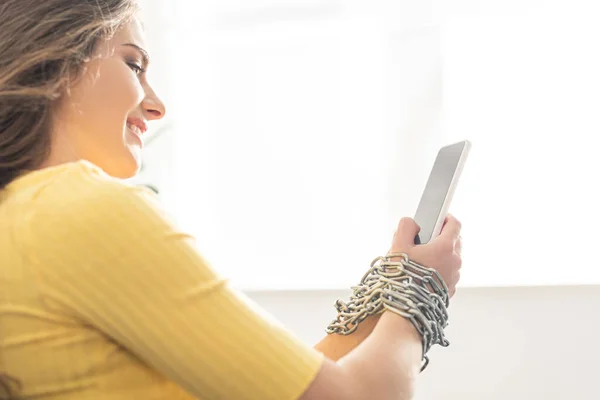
336,346
116,261
444,251
383,366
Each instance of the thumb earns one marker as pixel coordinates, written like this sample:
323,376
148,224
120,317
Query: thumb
404,238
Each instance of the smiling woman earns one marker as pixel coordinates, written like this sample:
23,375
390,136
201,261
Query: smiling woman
92,120
102,296
104,117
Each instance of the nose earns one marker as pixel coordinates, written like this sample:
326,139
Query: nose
154,108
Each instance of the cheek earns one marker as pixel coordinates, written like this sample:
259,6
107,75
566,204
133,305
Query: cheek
120,91
132,91
109,94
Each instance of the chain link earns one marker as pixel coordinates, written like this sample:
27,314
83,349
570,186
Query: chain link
403,287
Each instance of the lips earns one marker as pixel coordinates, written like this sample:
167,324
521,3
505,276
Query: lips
134,129
137,125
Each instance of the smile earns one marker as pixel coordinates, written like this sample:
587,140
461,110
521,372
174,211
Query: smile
135,129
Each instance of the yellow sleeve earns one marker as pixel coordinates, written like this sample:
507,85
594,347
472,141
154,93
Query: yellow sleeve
113,258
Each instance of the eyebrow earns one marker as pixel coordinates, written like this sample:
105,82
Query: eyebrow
145,55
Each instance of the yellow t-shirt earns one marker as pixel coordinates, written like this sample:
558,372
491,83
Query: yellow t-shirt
101,297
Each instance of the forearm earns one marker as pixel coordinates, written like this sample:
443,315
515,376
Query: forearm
336,346
387,361
381,360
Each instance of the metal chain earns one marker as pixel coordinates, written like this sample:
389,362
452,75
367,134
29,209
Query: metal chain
403,287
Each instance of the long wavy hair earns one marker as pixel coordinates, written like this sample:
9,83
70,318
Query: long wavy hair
44,46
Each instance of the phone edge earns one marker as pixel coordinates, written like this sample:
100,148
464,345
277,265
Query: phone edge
450,194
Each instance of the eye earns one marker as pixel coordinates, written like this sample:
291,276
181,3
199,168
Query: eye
136,68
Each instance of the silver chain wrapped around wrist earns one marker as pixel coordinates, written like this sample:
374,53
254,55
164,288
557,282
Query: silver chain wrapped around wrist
403,287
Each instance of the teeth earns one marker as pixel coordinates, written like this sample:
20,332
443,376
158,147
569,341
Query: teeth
134,128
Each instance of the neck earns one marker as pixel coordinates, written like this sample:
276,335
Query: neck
62,150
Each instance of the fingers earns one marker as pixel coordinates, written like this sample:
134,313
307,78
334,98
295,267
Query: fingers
458,245
451,227
404,237
453,282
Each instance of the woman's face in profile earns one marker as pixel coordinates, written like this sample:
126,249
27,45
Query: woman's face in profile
104,116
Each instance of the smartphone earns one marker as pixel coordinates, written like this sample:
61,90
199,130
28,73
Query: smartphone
437,196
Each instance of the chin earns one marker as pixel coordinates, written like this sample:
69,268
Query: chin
132,169
123,168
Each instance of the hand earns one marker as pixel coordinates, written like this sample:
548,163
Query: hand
441,253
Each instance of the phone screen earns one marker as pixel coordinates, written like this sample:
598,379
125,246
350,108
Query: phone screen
435,196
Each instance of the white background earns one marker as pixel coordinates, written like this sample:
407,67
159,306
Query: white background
519,78
525,343
303,130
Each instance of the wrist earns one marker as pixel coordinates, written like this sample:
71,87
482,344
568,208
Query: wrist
416,295
399,327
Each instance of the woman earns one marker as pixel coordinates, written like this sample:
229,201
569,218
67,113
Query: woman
101,297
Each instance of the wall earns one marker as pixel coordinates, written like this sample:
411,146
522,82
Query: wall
515,343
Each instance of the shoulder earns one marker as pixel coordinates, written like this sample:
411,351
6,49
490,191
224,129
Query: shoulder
80,201
83,184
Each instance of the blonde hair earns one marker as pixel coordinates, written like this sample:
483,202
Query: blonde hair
43,48
44,45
